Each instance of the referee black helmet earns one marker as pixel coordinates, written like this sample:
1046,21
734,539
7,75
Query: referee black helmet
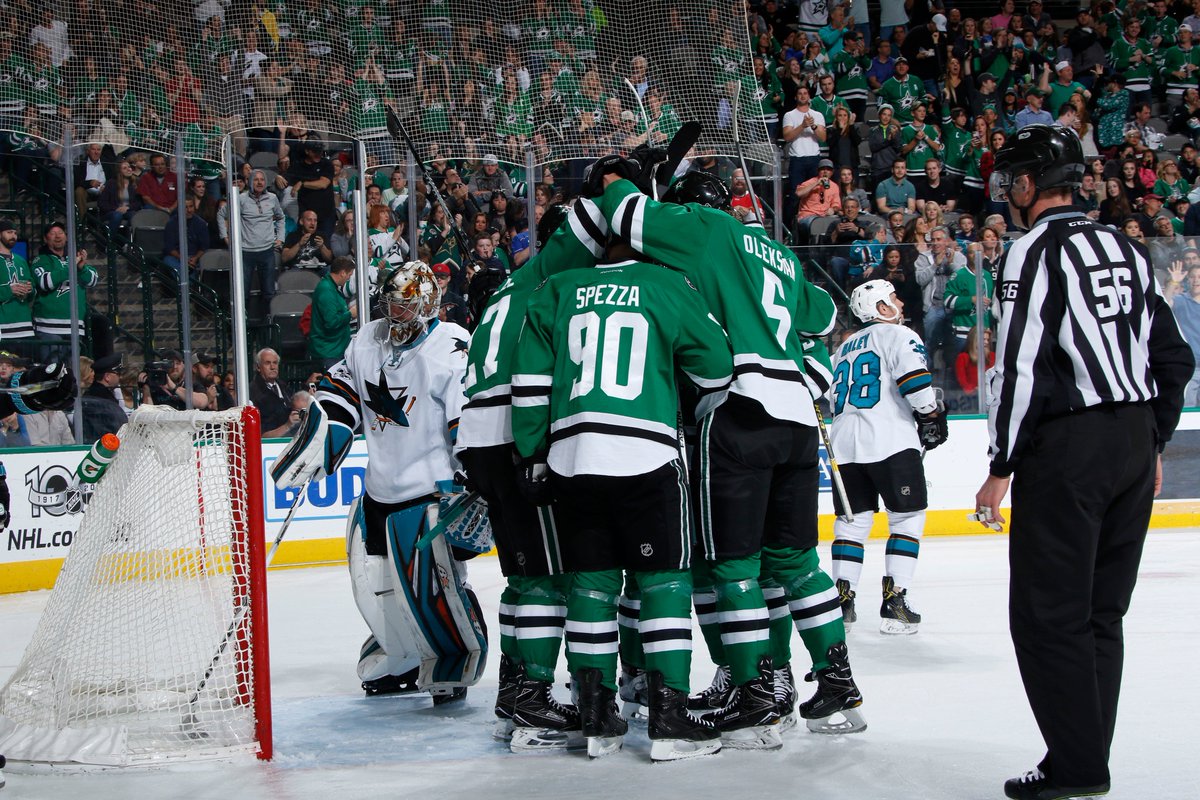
1051,155
699,187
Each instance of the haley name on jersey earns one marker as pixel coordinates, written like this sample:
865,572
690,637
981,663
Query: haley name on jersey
755,287
880,376
595,370
487,416
408,400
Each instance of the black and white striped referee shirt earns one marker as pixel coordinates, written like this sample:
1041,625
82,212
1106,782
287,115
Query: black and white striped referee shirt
1082,323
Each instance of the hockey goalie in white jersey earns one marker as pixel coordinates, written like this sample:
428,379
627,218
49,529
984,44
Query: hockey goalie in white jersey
881,381
402,381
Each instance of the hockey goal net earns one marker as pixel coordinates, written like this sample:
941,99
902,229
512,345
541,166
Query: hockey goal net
153,644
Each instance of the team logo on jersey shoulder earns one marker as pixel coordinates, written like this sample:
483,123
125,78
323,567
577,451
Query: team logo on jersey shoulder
389,405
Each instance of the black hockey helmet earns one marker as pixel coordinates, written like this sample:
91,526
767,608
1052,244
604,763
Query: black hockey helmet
1051,154
699,187
552,219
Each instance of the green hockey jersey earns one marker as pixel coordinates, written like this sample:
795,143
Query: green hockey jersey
755,287
594,378
486,419
52,308
16,314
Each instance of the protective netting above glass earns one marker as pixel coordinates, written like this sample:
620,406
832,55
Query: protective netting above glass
469,78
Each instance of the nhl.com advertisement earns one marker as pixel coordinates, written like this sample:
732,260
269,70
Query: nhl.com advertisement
46,518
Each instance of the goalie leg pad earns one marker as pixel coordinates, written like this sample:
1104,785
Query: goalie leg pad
391,648
437,606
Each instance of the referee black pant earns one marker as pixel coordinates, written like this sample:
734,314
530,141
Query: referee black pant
1081,507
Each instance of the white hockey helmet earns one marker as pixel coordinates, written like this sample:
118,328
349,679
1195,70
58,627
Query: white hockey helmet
409,297
865,300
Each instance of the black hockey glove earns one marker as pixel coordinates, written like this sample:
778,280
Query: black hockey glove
4,498
60,397
464,480
649,158
932,428
593,176
533,480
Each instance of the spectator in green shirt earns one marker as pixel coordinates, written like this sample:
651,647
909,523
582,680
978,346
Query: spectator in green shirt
329,335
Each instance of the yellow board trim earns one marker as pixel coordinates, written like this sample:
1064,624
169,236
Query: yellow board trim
29,576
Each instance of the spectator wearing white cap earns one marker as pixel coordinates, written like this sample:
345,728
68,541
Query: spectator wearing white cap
1181,66
1063,86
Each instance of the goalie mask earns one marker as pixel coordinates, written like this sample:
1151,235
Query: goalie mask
409,298
865,300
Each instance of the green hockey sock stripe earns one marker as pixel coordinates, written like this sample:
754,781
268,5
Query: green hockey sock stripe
666,625
628,612
780,624
591,629
508,623
706,614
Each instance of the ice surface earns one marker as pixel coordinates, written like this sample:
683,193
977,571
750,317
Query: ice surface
947,714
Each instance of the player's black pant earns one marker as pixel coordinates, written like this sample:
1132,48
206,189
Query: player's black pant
1081,506
526,536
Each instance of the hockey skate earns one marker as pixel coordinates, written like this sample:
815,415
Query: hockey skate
675,733
751,720
785,697
846,600
452,695
393,684
1036,786
635,697
602,724
539,721
836,695
896,617
715,697
506,694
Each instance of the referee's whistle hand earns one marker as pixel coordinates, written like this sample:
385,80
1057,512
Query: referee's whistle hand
990,496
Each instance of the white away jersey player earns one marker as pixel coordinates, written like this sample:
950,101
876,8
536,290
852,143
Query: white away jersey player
879,377
408,400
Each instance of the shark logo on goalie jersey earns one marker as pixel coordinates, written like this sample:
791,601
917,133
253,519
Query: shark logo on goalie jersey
389,405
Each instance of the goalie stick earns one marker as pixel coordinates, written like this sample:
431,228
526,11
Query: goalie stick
400,133
190,723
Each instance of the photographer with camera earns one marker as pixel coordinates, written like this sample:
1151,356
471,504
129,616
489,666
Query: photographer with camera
162,383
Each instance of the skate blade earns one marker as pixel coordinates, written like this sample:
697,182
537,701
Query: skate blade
895,627
681,749
851,721
787,721
537,740
634,712
600,746
502,731
756,737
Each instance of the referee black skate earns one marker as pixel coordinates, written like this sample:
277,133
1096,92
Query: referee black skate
1087,389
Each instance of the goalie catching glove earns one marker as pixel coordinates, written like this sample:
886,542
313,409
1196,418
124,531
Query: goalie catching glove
314,452
932,427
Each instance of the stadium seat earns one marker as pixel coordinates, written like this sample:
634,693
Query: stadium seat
264,160
293,281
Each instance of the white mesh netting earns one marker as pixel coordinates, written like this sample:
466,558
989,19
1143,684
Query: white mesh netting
469,78
155,587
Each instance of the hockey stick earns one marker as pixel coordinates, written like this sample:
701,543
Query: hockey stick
835,473
637,98
830,279
684,140
737,148
189,719
397,130
30,388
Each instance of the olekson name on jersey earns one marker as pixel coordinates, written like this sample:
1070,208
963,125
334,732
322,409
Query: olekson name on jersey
487,415
880,376
753,285
408,400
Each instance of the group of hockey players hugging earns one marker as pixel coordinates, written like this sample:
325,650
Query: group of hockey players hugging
563,412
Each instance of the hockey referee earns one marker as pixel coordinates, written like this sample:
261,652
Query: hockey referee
1087,388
